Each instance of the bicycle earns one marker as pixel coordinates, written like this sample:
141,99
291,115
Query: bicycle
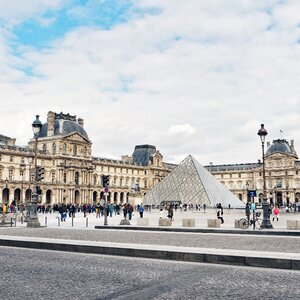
244,223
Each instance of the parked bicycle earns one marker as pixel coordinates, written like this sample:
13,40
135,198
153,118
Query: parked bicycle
244,223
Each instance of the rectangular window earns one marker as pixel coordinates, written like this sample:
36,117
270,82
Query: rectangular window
296,172
11,159
11,174
53,177
65,177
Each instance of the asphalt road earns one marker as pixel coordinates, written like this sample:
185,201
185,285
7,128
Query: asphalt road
34,274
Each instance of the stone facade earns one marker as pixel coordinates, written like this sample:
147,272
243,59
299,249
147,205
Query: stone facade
282,171
72,174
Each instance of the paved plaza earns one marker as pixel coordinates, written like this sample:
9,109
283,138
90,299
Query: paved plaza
53,221
281,248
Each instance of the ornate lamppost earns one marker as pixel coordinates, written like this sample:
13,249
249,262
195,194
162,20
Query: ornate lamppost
247,187
266,216
33,216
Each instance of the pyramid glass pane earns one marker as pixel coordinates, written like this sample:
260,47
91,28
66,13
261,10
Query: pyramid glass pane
191,183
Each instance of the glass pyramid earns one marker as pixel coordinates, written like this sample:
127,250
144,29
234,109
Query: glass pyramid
191,183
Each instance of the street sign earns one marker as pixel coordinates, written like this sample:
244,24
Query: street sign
252,193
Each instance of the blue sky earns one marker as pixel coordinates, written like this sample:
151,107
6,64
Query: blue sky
40,31
165,73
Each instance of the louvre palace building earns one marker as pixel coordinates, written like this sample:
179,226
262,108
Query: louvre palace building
73,175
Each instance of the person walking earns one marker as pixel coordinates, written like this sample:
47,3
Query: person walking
141,211
275,213
220,212
247,212
130,211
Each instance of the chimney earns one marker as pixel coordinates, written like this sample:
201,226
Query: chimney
259,161
80,122
268,144
50,120
211,163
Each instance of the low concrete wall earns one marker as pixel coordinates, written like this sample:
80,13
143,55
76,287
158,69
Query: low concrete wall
215,223
164,222
293,224
188,222
142,222
236,223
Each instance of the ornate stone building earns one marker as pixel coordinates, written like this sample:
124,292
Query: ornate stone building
72,174
282,169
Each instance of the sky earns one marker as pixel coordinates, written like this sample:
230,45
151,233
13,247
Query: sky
190,77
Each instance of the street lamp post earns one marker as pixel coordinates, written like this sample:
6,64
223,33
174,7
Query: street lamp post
266,216
247,187
105,205
33,216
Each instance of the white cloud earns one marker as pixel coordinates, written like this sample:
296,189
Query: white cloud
222,66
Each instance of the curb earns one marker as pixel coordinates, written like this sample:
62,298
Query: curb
203,230
214,256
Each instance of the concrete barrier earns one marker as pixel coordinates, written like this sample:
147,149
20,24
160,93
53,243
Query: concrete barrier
293,224
188,222
213,223
165,222
125,222
142,222
236,223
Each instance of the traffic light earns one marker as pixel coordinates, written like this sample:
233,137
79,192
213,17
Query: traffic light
40,173
105,180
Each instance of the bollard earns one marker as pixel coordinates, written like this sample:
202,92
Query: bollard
58,221
87,222
72,221
15,221
46,221
10,222
22,220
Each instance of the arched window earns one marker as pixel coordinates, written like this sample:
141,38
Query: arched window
44,148
53,148
76,178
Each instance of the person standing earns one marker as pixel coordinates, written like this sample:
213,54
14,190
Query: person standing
170,212
247,212
220,212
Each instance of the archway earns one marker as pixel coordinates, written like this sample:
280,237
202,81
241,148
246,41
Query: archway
115,197
28,195
77,197
121,197
5,195
48,196
108,196
127,197
260,197
279,199
95,194
297,197
17,195
102,195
